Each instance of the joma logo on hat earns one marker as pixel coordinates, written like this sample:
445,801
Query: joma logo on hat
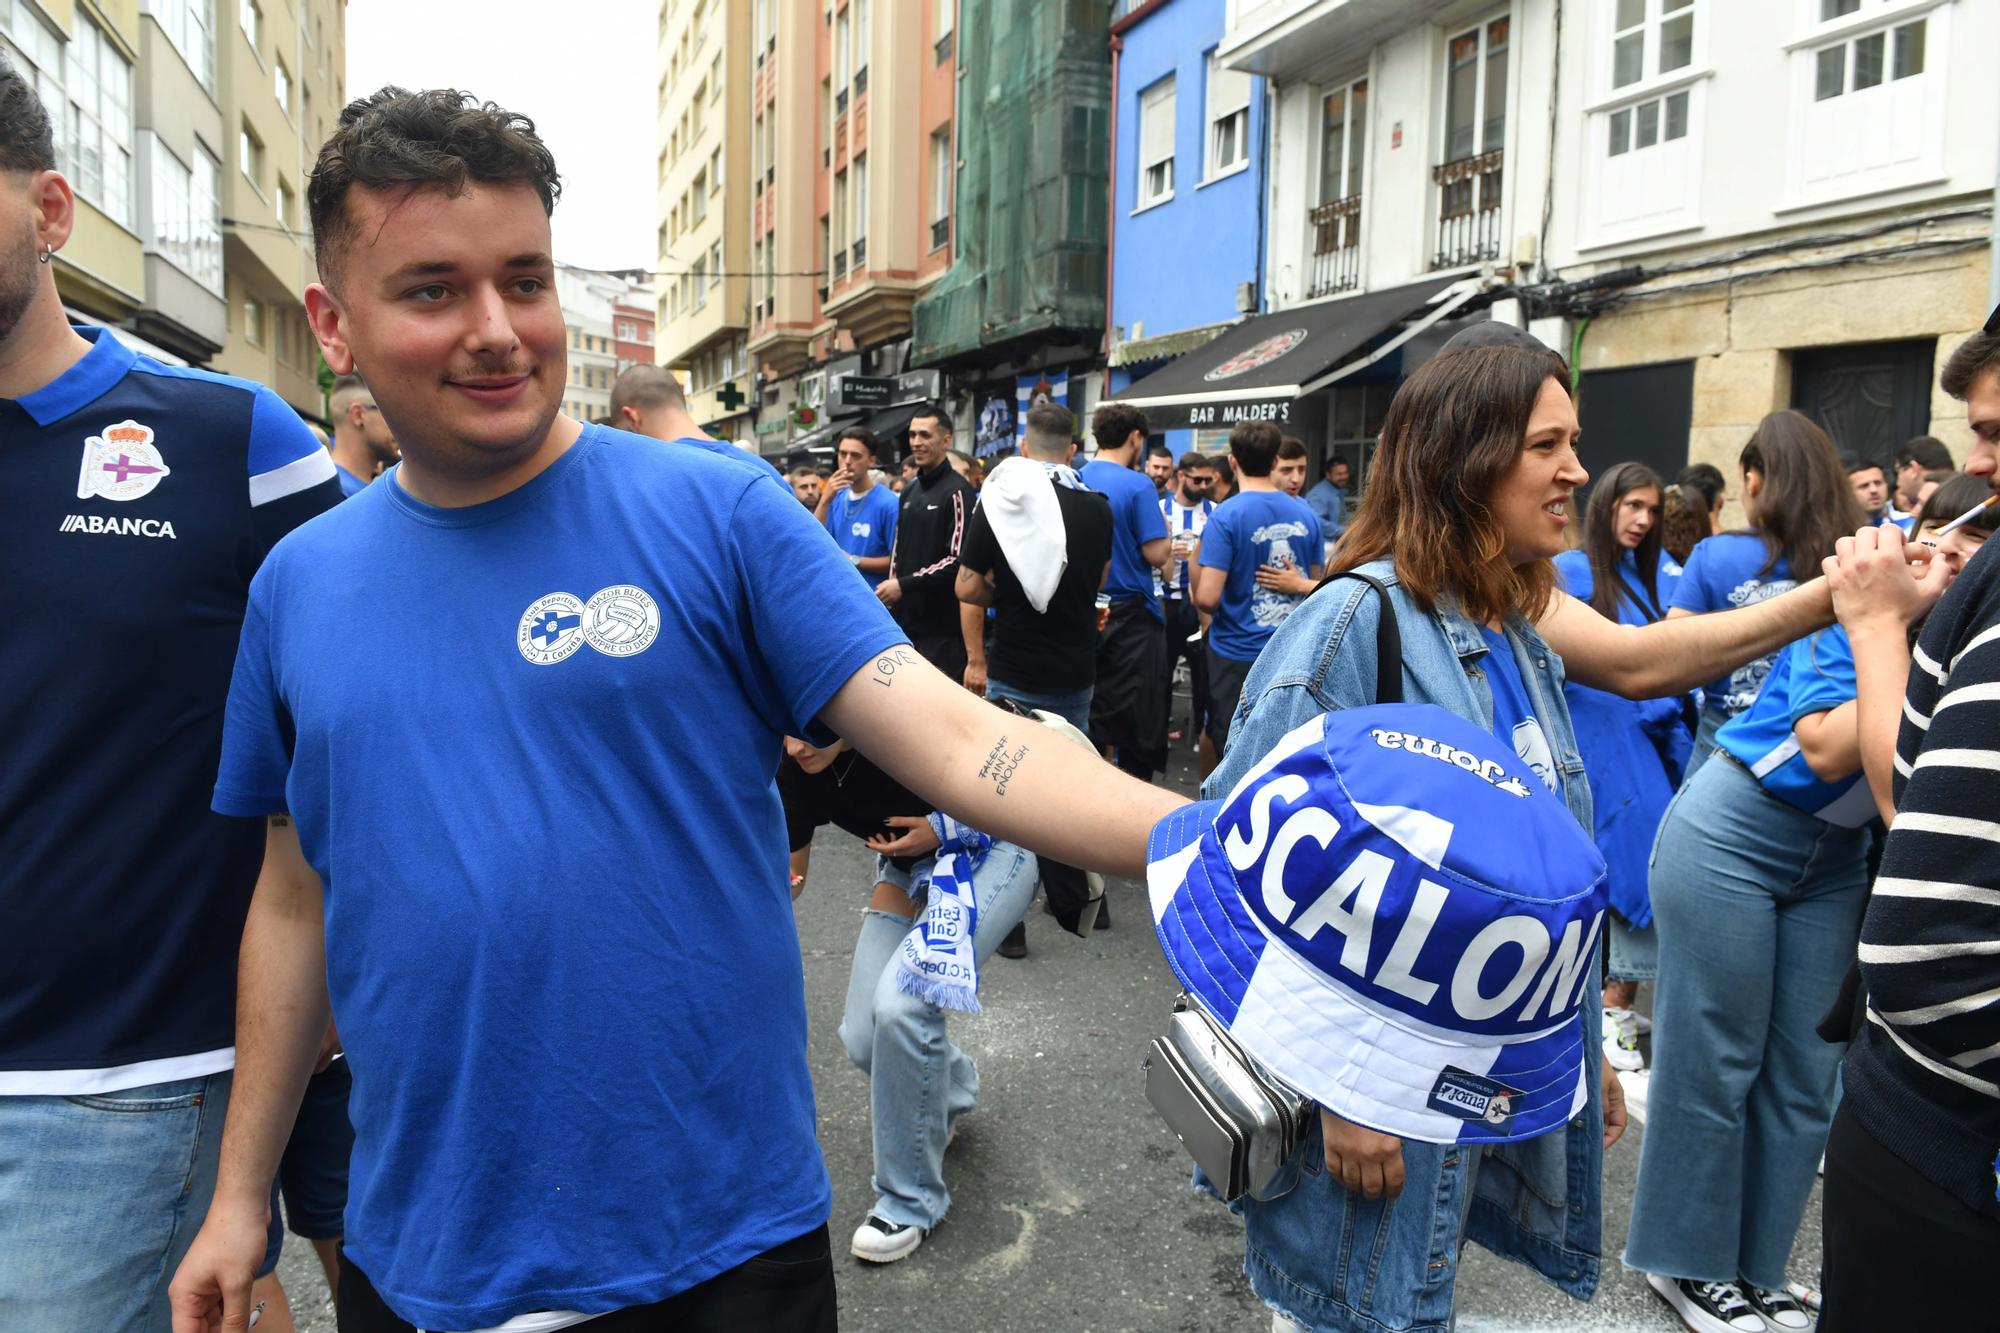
1491,770
1469,1096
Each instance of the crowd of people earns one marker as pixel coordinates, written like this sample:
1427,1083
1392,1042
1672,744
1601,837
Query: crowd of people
402,828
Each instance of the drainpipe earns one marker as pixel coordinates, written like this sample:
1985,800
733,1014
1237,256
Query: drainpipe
1111,204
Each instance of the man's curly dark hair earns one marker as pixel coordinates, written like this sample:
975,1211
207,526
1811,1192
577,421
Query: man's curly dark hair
438,139
26,142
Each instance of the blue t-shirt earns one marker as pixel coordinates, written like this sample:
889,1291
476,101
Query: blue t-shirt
350,484
864,525
1573,569
1247,530
1813,674
1329,503
1514,720
1135,520
529,746
139,500
1724,572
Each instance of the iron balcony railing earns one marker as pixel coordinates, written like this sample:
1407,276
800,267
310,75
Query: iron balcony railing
941,233
1468,209
1336,255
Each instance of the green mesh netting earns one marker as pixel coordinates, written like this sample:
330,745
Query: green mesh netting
1034,98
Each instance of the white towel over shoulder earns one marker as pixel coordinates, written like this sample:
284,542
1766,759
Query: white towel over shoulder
1019,498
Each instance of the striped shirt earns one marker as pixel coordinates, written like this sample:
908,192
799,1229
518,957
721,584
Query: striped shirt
1923,1075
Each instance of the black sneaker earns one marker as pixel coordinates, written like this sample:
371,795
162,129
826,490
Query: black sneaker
1016,943
880,1241
1781,1310
1708,1307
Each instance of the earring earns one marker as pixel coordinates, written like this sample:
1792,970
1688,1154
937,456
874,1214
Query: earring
48,252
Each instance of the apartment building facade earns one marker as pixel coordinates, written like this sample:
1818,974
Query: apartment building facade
284,80
852,144
1713,210
703,285
632,326
186,128
1778,205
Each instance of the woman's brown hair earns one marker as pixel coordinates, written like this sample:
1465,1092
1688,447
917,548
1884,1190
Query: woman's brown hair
1685,520
1804,504
1608,587
1453,431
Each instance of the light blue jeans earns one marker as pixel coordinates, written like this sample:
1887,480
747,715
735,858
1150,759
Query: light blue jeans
1073,707
1758,906
919,1083
100,1197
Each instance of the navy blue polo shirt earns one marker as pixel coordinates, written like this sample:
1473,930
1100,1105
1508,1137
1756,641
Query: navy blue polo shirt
136,502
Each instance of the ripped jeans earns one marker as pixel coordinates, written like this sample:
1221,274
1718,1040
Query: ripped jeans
919,1083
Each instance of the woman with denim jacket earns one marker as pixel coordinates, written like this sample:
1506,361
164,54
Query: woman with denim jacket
1465,508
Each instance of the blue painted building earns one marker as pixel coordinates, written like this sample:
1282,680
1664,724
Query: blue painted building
1187,181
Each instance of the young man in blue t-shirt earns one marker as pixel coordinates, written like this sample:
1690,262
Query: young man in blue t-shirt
1128,715
524,700
860,514
136,501
1260,555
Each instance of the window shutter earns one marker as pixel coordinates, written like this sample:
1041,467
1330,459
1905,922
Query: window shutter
1156,123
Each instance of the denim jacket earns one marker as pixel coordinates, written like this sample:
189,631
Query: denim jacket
1330,1259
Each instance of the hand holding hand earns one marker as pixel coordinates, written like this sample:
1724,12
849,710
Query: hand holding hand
916,838
1363,1160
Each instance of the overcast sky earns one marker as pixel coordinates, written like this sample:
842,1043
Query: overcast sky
581,69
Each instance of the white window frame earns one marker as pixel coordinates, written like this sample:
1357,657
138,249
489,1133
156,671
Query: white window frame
1622,115
1926,167
1226,120
281,85
858,172
1153,188
190,26
250,149
250,18
946,15
1481,30
1353,143
1649,30
943,168
98,115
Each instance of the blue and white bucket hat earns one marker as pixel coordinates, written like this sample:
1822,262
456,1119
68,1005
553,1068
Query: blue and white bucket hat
1395,916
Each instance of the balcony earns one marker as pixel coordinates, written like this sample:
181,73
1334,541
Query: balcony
839,265
1468,210
1336,254
840,104
941,233
943,48
860,252
860,81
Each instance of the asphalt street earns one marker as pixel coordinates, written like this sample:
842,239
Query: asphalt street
1071,1208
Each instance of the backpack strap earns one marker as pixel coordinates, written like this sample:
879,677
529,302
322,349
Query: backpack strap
1388,640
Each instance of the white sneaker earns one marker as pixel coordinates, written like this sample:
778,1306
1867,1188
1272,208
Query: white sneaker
1630,1020
1638,1085
880,1241
1708,1307
1621,1040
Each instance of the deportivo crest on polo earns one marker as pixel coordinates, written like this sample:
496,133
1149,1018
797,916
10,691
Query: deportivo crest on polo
122,463
621,620
551,628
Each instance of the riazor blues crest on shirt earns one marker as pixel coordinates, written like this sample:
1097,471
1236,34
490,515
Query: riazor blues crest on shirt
122,463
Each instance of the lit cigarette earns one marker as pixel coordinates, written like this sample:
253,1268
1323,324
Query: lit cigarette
1967,516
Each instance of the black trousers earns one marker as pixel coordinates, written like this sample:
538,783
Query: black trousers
1182,621
1900,1253
787,1287
945,651
1126,709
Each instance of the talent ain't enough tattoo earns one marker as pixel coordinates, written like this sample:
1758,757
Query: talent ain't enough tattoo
1000,765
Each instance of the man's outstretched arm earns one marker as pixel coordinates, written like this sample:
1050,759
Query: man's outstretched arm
1002,774
281,1015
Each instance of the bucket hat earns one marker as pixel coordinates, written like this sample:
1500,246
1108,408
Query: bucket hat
1393,914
